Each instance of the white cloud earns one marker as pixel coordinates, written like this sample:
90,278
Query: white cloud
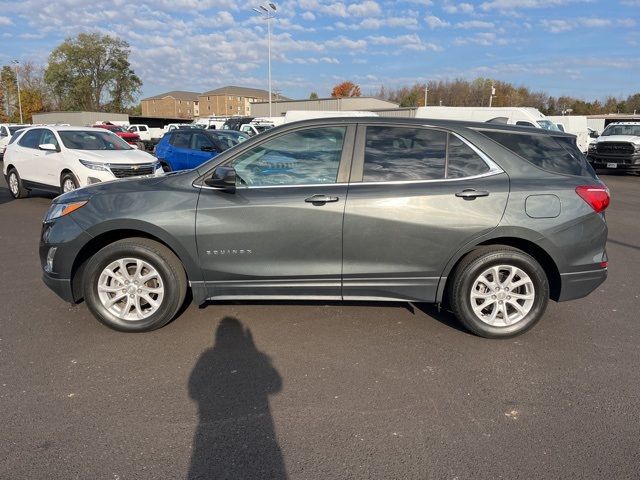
486,39
344,42
435,22
510,5
471,24
225,18
308,16
6,21
562,25
405,42
368,8
458,8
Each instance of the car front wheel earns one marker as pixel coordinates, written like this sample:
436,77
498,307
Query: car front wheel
15,184
68,182
134,285
499,291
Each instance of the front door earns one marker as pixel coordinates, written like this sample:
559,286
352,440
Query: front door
417,196
279,235
201,149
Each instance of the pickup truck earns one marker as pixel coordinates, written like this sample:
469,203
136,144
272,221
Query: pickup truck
130,138
617,148
148,135
6,132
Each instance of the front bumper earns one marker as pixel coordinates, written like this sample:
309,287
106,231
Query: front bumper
626,163
60,286
580,284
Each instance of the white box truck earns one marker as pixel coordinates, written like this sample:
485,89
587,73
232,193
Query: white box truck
522,116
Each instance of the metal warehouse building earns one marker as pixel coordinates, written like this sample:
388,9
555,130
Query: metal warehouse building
280,107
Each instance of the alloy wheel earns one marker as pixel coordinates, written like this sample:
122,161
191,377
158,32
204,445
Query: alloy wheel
13,183
131,289
502,295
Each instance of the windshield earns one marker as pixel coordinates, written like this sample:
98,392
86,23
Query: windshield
91,140
15,128
548,125
622,130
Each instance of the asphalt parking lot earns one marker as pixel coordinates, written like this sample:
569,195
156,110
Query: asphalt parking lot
316,391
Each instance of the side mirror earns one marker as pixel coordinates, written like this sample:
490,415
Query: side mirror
48,147
223,178
594,134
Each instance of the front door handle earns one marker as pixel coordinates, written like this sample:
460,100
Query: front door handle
320,199
470,194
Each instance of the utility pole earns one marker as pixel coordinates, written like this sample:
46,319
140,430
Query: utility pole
426,92
268,11
493,92
16,63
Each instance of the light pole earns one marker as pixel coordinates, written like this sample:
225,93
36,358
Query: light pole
268,11
16,63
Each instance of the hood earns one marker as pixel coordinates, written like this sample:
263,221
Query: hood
128,185
619,138
115,156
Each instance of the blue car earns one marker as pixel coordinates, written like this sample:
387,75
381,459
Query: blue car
189,148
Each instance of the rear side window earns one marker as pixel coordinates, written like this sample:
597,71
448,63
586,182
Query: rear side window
545,151
402,154
180,139
31,139
462,160
410,154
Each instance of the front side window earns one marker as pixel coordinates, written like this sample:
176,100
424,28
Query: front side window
31,139
200,141
309,156
92,140
404,154
49,137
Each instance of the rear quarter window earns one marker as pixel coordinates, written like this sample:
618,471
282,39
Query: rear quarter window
556,154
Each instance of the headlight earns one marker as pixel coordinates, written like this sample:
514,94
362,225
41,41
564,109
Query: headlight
94,165
58,210
637,147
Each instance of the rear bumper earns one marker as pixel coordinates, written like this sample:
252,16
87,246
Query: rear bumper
580,284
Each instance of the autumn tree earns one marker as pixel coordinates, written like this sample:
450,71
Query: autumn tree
345,89
34,95
92,72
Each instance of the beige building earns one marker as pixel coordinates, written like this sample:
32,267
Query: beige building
175,104
230,100
281,106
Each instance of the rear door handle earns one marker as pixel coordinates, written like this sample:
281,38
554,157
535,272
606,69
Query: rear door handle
320,199
471,194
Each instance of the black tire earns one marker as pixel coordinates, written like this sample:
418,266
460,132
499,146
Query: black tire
162,259
472,266
68,177
20,191
165,166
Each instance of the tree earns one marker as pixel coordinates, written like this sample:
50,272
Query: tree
92,72
313,96
345,89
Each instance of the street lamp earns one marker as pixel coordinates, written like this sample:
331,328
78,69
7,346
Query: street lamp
267,11
16,63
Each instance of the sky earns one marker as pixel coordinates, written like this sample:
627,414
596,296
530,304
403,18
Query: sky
585,48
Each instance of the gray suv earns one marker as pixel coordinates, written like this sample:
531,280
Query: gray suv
491,220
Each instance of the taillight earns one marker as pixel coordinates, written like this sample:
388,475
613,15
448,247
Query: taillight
596,196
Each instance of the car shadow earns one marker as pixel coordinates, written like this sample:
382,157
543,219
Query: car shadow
438,313
231,383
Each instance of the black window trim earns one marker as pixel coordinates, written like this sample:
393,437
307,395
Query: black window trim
357,166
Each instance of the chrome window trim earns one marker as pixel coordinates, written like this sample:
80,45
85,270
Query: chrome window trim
342,184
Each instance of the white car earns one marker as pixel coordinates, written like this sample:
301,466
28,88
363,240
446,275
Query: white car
6,132
61,159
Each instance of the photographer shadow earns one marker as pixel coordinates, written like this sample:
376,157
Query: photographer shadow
231,383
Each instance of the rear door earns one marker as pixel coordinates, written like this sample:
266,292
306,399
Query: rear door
279,235
178,152
29,157
416,196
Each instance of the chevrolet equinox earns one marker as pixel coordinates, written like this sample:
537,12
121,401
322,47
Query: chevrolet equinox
491,220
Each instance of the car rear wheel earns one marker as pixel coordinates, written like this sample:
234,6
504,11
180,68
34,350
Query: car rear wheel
134,285
68,182
15,184
499,291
